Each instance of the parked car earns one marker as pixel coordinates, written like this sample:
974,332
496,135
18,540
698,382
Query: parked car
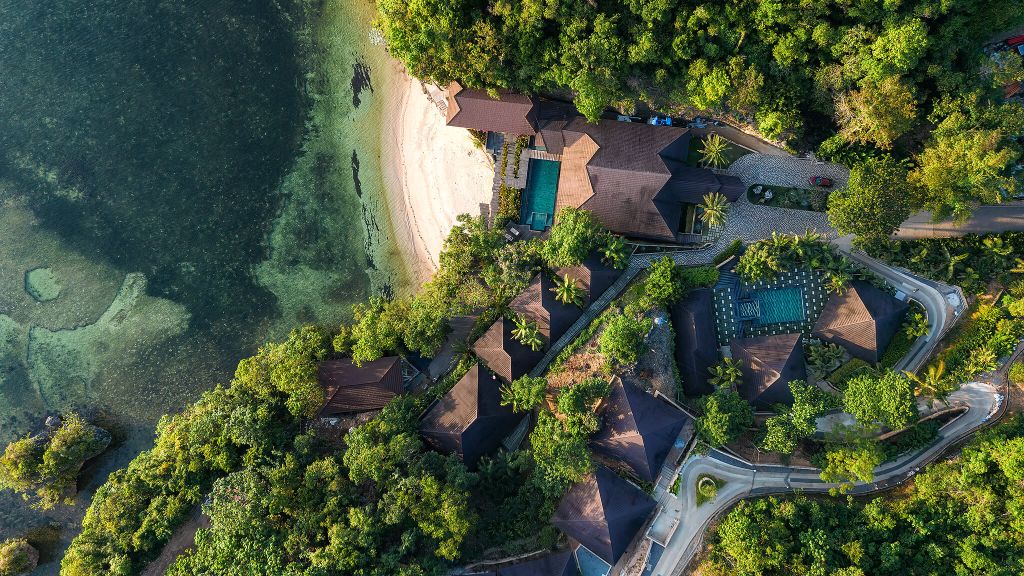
820,181
660,121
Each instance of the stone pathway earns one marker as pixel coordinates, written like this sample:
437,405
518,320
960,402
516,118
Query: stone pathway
785,170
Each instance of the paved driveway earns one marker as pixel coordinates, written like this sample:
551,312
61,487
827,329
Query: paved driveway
986,219
785,170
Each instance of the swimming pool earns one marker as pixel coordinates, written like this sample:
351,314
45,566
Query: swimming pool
538,211
780,305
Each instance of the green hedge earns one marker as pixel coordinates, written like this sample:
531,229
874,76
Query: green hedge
731,250
853,367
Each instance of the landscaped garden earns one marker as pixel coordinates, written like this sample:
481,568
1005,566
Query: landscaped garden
814,199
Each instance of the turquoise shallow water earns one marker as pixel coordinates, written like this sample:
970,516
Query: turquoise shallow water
780,305
194,177
539,197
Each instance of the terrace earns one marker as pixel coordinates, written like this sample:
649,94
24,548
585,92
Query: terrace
790,303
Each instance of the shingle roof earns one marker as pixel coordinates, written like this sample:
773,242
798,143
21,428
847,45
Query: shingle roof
557,564
511,112
469,420
538,304
768,364
349,388
638,429
503,354
693,319
863,319
603,513
635,174
592,275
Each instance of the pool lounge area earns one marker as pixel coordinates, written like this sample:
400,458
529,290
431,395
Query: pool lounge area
790,303
538,202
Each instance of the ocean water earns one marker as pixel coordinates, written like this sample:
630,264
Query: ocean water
179,182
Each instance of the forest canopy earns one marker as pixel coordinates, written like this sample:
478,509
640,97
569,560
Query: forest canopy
867,68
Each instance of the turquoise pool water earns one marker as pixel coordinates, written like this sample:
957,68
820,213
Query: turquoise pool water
780,305
538,210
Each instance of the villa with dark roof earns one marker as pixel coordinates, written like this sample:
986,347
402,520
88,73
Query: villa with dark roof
509,113
349,389
769,364
604,513
693,319
591,275
503,354
863,319
469,420
638,430
538,304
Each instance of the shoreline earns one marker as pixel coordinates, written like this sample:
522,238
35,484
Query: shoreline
431,172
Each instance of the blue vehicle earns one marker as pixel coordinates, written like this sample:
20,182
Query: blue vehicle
660,121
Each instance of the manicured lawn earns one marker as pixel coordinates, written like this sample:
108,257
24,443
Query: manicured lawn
732,153
815,199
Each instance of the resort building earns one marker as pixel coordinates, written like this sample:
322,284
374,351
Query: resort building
503,354
638,430
603,513
639,180
863,319
693,319
538,304
591,275
509,113
469,420
769,364
349,389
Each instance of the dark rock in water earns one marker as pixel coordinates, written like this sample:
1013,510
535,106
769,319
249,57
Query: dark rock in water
355,174
360,80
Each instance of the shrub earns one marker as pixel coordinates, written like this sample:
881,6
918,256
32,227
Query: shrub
17,557
853,367
731,250
574,236
707,488
698,277
1017,373
509,203
663,284
622,341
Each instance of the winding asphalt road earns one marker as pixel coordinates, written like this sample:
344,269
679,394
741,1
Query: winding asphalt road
744,479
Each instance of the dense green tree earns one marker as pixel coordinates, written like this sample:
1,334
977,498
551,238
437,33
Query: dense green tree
878,113
562,457
524,393
622,340
851,462
726,416
886,400
875,202
969,157
613,249
796,421
574,236
577,403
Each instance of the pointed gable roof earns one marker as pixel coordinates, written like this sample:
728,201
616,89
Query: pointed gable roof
557,564
469,420
592,275
510,112
603,513
349,388
768,364
638,429
863,319
538,304
503,354
693,319
632,176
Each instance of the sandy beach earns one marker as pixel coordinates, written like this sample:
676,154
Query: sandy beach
432,173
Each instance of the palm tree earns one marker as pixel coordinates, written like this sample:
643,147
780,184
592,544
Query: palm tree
567,291
725,374
614,251
838,281
528,334
713,151
933,384
714,209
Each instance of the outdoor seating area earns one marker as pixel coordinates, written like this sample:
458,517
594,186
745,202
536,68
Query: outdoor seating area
790,303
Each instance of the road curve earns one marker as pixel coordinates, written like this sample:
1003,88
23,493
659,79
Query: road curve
744,479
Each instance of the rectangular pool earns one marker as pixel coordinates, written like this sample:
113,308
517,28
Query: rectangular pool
780,305
538,211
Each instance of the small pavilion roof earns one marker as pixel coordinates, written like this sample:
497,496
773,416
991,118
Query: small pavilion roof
768,364
510,112
349,388
863,319
503,354
693,319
